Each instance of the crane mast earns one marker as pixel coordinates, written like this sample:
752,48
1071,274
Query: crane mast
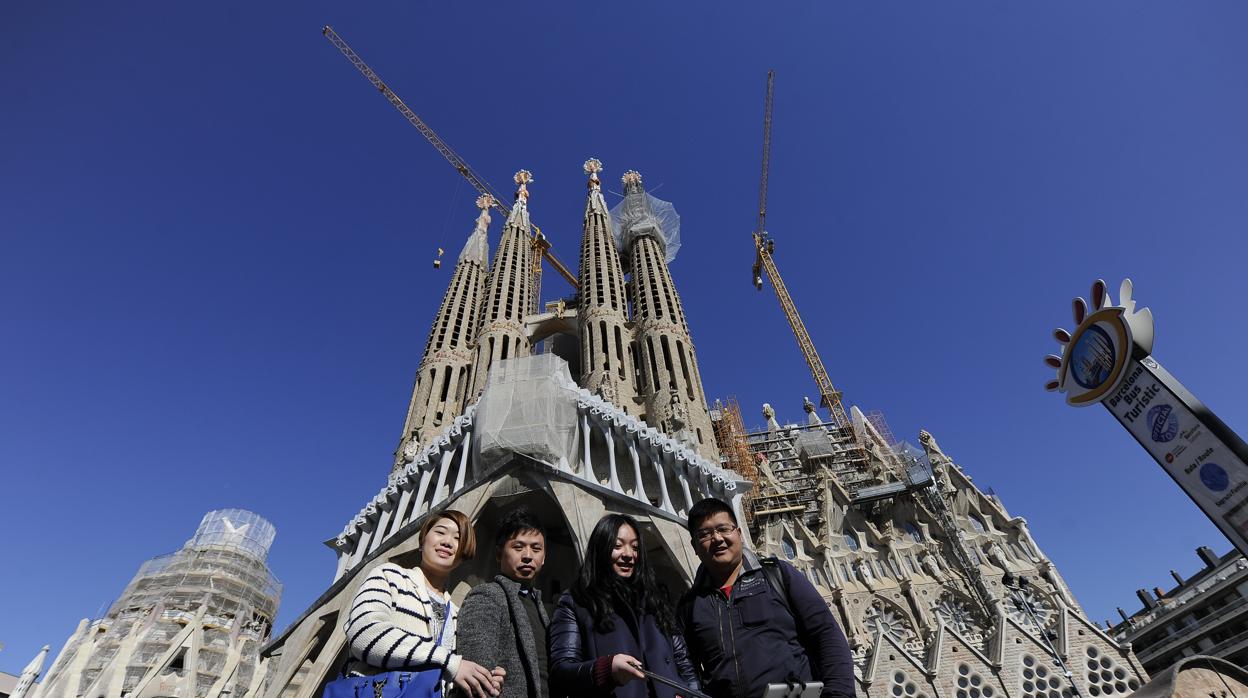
764,248
540,245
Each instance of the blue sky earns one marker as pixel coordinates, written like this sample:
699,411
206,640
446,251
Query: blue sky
215,282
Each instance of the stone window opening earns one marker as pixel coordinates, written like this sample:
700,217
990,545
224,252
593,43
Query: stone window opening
971,684
1040,681
1106,677
902,687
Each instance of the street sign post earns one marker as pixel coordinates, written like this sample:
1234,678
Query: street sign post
1107,359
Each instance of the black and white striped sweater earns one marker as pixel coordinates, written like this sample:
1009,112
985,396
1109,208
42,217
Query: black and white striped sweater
388,627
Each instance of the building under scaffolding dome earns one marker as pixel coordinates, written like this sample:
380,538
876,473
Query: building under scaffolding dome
189,624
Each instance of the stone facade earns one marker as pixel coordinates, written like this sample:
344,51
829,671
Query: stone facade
914,560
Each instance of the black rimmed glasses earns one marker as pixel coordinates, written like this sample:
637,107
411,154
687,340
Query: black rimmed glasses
704,534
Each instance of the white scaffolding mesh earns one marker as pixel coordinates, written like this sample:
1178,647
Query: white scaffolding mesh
220,572
641,214
235,528
815,444
528,407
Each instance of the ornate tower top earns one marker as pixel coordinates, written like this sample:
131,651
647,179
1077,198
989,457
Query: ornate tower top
477,248
484,202
522,179
520,211
592,167
631,181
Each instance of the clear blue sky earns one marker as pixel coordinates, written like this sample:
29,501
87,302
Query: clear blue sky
215,278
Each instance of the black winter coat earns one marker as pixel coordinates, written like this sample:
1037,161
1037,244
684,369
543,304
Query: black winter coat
575,644
745,642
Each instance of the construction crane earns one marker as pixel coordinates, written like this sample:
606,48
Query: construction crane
764,249
540,245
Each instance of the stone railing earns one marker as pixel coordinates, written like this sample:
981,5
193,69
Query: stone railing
614,450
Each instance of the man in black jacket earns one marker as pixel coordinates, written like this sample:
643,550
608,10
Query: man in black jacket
503,622
744,630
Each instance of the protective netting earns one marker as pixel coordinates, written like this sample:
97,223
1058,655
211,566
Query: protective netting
814,444
528,407
918,463
240,529
641,214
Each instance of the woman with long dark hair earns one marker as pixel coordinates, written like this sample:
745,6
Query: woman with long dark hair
616,620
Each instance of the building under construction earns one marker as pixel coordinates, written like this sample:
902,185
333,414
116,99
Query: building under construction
189,625
594,404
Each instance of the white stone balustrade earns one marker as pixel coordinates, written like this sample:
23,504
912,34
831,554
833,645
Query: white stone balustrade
614,450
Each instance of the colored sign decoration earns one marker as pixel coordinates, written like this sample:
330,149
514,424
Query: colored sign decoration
1106,360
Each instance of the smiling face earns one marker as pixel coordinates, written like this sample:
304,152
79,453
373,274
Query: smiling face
522,556
717,541
624,552
440,548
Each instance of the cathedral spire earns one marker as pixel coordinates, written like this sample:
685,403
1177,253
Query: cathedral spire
607,356
442,381
508,295
669,382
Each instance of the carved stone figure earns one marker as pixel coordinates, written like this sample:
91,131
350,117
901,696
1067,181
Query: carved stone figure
932,565
865,574
997,554
770,415
812,417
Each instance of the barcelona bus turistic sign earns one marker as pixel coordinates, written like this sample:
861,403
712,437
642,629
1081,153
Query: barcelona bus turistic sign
1107,359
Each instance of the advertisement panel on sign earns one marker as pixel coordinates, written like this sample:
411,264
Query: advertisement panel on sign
1106,360
1207,469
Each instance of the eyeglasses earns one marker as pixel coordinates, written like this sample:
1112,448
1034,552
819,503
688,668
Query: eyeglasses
704,534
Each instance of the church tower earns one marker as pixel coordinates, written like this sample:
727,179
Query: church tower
508,298
670,384
442,379
606,340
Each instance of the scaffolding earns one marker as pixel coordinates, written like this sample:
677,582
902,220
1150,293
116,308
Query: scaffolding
877,420
182,617
798,462
730,436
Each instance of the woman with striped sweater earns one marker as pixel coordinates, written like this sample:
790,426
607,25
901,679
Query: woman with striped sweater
403,620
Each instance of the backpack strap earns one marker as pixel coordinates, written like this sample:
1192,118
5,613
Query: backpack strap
777,581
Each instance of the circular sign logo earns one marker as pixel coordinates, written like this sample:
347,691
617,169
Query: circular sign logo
1092,358
1164,423
1214,477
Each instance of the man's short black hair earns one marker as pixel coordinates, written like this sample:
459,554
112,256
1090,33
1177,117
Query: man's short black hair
515,522
707,508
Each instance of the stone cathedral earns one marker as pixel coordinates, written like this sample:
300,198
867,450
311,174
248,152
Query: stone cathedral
595,404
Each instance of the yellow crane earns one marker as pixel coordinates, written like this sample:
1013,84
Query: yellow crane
541,246
764,249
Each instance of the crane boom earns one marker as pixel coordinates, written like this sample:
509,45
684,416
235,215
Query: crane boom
447,152
829,396
764,247
762,187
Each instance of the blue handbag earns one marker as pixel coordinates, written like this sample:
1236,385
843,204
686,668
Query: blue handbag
392,684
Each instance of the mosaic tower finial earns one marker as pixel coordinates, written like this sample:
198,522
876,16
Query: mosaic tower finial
592,167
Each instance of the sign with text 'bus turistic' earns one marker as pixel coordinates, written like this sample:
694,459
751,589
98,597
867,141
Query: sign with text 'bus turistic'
1106,360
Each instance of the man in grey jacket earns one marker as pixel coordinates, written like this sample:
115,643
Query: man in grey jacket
502,622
